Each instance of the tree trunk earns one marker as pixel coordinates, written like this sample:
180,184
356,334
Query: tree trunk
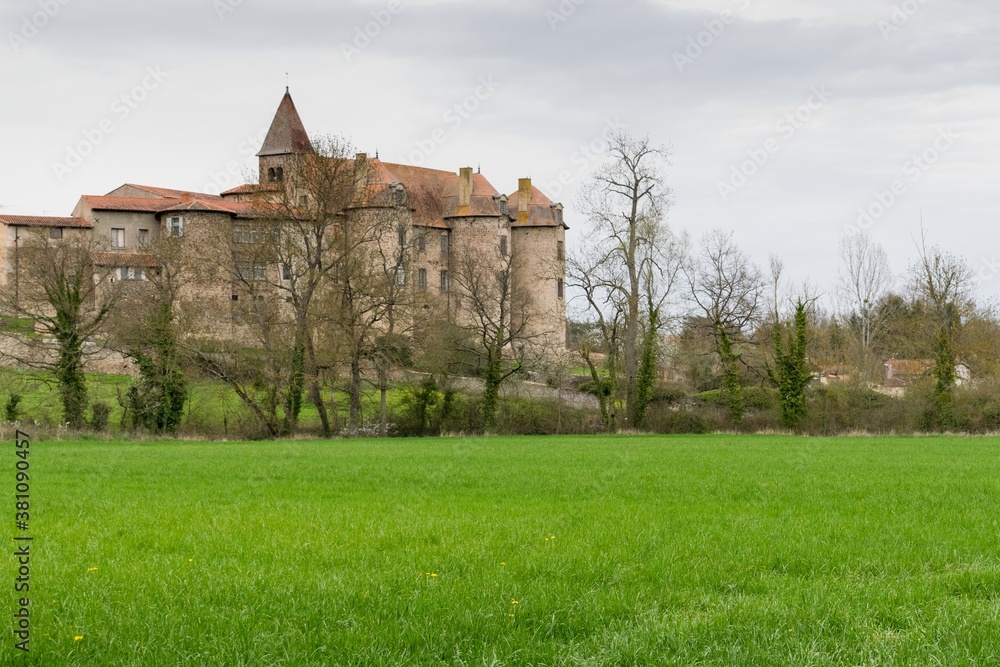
491,393
315,393
355,392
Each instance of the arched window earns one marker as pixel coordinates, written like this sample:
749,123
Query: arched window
281,173
270,174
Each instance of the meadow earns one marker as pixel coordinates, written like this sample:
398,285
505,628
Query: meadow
630,550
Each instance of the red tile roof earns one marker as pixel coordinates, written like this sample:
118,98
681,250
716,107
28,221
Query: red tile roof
165,192
159,205
253,188
132,259
432,193
540,210
135,204
40,221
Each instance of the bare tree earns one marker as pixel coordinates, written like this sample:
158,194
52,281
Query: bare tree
727,289
146,328
496,320
308,244
68,298
864,281
944,283
629,269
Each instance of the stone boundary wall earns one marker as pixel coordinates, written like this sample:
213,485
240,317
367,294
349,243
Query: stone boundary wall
97,358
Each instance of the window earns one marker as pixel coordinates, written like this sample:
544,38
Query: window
286,272
401,234
444,242
503,245
304,200
560,287
253,234
422,242
281,173
130,273
55,233
559,216
422,279
560,250
270,174
502,204
400,275
175,226
143,238
117,238
251,271
444,281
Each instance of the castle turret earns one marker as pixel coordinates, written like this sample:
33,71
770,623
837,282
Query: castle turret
286,137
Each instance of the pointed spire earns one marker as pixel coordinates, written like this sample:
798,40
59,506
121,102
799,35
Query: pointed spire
287,134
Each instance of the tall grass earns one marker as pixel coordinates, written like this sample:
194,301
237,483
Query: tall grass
710,550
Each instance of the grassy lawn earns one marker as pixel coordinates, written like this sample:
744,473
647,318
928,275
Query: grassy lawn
710,550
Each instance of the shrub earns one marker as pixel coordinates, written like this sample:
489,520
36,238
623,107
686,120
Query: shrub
100,413
11,409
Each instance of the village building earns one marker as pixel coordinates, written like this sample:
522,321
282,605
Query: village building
440,214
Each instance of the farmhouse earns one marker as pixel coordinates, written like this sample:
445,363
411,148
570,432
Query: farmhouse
440,216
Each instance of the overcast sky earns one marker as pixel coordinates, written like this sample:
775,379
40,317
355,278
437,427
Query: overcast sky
786,117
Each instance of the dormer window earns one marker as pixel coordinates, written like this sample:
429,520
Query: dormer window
502,204
398,194
558,210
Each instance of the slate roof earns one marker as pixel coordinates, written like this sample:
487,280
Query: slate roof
287,134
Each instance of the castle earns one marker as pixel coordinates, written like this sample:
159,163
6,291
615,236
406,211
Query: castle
443,211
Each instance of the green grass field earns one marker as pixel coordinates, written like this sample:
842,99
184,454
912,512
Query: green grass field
710,550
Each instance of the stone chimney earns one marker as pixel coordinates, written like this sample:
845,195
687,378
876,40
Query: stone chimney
465,187
360,177
523,195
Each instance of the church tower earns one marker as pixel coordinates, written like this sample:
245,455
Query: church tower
286,137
